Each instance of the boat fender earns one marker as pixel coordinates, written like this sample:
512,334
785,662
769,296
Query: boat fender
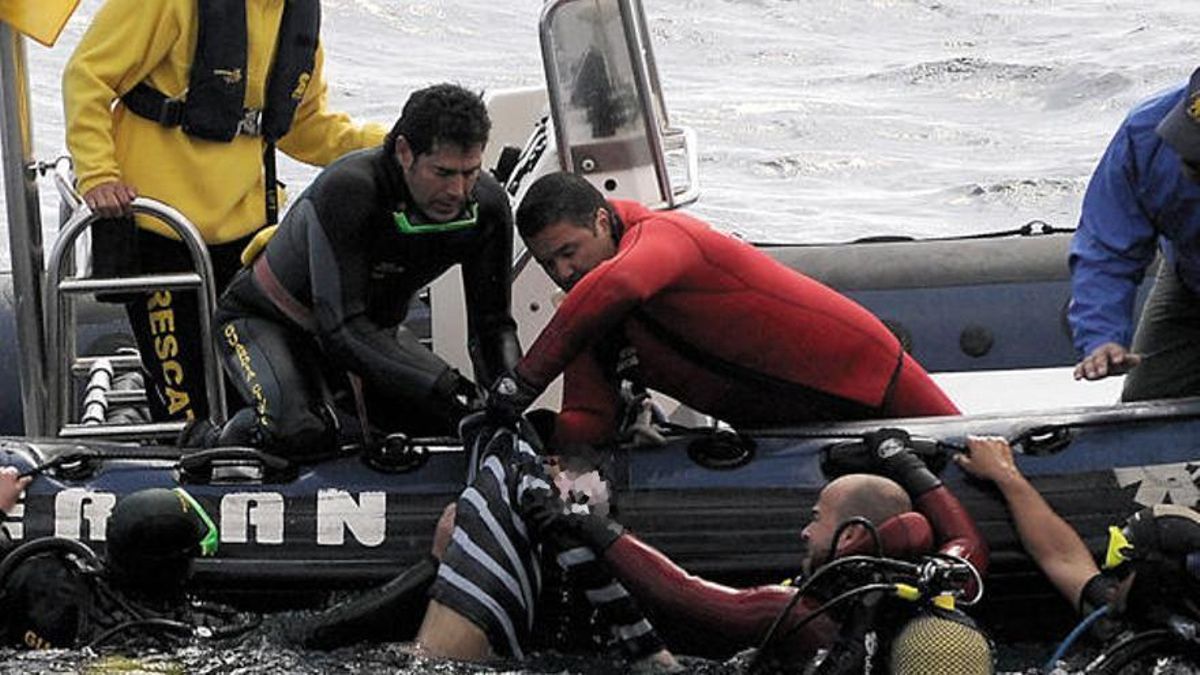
235,465
722,450
396,454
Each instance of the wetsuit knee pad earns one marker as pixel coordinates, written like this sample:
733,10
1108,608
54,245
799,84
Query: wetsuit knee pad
314,435
311,435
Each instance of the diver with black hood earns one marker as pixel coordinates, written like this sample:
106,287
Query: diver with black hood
1145,598
57,593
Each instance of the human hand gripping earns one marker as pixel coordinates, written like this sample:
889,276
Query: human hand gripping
509,396
891,456
990,458
11,487
111,200
1109,358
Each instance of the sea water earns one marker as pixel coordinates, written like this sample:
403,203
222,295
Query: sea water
818,120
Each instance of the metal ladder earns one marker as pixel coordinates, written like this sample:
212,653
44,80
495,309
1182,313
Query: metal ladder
63,284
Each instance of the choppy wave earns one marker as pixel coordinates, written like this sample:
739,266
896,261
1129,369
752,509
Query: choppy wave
966,68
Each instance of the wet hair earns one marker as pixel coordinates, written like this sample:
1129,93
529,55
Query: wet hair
442,113
557,197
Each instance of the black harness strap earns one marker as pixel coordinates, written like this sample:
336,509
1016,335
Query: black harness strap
271,183
213,108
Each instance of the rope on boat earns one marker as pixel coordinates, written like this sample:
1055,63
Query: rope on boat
1033,228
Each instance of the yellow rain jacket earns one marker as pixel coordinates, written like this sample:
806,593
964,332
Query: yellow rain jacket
219,186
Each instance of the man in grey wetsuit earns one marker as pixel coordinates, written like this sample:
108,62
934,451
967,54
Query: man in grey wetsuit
327,293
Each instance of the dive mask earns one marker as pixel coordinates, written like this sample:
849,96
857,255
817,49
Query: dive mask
1119,550
208,544
1163,531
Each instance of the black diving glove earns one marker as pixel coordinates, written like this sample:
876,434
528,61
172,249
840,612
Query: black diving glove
891,456
460,393
509,396
554,519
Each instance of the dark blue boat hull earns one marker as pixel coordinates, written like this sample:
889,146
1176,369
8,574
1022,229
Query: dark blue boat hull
342,523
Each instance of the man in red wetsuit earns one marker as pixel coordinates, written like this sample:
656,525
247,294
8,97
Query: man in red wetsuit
740,618
664,301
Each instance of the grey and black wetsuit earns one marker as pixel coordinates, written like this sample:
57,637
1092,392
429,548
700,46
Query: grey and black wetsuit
329,292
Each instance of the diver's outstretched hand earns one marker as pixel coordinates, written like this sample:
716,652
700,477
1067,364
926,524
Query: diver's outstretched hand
884,452
990,458
1109,358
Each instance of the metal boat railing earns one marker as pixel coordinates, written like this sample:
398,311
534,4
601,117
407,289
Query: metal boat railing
62,285
610,120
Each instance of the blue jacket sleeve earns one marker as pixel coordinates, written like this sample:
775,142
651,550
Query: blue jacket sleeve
1111,249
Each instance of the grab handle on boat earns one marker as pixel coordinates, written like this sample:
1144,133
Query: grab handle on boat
1042,441
203,466
839,459
397,453
75,465
722,450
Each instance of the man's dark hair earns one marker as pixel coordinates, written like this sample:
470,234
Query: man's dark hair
442,113
556,197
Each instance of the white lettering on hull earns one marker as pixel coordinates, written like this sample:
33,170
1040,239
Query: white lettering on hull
263,510
337,511
13,524
1157,483
244,517
73,506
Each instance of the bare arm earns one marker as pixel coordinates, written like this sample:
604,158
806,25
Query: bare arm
1053,543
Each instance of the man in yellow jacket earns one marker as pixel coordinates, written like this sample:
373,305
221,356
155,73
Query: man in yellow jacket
177,100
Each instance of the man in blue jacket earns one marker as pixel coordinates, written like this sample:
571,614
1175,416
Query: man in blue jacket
1145,191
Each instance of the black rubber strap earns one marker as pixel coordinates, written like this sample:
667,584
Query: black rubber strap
150,103
271,182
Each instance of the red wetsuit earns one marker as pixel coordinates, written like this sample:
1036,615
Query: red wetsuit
724,328
741,617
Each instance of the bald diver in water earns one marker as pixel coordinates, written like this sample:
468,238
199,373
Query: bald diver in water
736,618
